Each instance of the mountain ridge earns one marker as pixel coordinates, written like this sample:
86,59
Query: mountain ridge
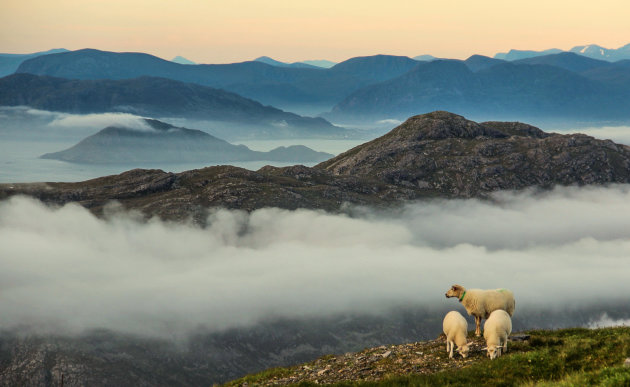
271,85
153,97
593,51
508,90
438,154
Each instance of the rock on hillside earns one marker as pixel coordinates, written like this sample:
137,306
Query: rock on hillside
438,154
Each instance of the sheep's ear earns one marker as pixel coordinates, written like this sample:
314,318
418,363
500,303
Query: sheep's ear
484,348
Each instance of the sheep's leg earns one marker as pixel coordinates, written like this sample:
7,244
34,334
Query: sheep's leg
477,326
505,345
447,345
450,354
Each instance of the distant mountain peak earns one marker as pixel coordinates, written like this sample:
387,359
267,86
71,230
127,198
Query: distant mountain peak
523,54
598,52
424,58
593,51
277,63
181,60
323,63
270,61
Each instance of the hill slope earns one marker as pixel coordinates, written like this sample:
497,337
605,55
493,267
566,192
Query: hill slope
514,91
154,97
566,357
436,154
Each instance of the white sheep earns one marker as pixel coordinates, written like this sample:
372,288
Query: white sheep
480,303
496,331
455,328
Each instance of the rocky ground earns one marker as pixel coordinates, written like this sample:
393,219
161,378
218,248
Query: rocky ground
375,364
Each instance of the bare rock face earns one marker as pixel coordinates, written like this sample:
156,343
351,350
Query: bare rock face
438,154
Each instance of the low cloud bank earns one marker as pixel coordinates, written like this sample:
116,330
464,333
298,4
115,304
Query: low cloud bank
59,122
100,120
63,269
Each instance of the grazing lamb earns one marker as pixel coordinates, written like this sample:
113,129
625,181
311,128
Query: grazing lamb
496,331
480,303
455,328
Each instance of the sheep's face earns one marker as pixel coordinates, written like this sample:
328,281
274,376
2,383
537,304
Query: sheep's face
463,350
494,351
455,291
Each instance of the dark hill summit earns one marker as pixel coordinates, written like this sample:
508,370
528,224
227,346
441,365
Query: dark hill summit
438,154
451,156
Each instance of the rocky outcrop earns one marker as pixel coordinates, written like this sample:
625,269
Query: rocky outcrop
439,154
373,364
445,154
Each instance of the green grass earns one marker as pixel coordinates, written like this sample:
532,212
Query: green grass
254,379
571,357
568,357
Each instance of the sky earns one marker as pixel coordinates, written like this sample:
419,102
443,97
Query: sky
65,270
210,31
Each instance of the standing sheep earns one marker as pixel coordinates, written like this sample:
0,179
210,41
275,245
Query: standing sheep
480,303
496,331
455,328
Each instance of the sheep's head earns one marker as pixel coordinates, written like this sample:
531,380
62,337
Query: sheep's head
464,349
455,291
494,351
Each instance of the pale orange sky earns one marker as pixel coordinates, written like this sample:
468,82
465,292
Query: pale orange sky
291,30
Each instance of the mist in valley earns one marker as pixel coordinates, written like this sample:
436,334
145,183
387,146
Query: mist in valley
564,254
26,134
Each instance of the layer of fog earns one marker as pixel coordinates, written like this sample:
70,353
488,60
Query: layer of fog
26,134
26,123
63,269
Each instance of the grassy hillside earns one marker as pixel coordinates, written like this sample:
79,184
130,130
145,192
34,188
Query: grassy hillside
568,357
